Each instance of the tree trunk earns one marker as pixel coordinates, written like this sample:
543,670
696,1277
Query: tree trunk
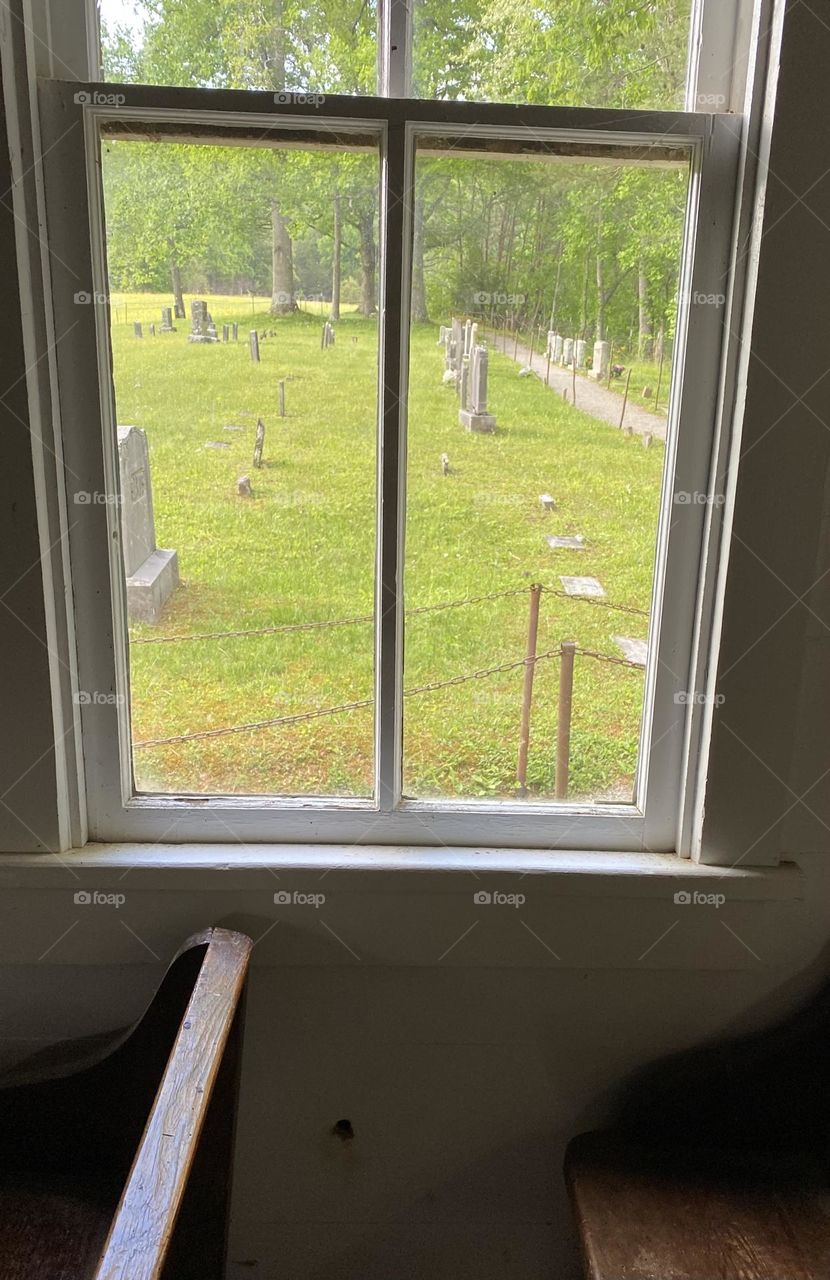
334,315
600,335
368,264
645,340
178,295
282,257
419,289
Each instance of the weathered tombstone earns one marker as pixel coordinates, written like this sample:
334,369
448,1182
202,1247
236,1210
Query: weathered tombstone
235,331
463,385
445,464
226,332
211,332
581,353
635,651
558,343
551,341
259,443
648,392
137,333
568,352
476,417
456,345
152,331
588,587
282,397
216,444
254,339
167,325
602,361
546,502
200,323
563,543
647,439
152,575
243,487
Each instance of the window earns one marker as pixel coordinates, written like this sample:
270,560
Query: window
391,527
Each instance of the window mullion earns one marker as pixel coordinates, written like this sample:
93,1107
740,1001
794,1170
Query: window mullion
395,49
395,241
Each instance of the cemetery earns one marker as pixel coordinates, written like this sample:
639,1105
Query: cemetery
262,484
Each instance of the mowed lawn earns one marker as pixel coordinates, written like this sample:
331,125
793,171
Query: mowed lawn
303,548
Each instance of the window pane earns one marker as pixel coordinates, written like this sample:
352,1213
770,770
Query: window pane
330,47
244,344
592,53
536,283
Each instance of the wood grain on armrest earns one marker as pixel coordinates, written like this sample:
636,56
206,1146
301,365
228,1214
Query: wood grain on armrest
143,1224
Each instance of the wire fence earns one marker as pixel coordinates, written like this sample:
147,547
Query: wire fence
365,618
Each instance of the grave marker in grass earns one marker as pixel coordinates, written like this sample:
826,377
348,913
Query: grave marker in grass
259,443
254,342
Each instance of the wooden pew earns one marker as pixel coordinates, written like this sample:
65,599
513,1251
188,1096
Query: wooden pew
115,1160
717,1166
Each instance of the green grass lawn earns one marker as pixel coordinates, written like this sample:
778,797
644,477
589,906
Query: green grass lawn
302,549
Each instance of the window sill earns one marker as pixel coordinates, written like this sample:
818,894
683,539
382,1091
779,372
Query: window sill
403,907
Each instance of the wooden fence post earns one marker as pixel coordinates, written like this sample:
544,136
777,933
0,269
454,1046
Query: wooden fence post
527,690
567,651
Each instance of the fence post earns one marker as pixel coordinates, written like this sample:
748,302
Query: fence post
563,729
625,398
527,690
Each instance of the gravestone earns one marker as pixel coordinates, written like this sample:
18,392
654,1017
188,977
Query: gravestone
602,361
152,574
463,385
254,340
647,439
216,444
211,332
635,651
588,587
327,336
546,502
152,331
167,325
568,352
456,345
137,329
474,415
551,341
581,353
445,464
576,543
259,443
243,487
558,343
226,332
235,331
199,323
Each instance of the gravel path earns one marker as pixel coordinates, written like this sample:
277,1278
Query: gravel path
594,399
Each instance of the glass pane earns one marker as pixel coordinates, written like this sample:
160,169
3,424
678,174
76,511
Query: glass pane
245,354
544,303
590,53
330,47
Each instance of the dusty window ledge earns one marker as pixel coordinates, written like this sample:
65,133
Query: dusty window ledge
222,867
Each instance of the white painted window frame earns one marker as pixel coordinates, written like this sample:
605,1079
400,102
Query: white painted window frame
114,813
